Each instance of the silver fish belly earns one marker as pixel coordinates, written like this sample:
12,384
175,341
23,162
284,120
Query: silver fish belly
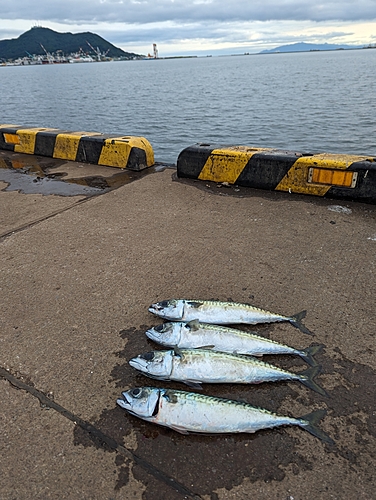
187,412
221,313
193,335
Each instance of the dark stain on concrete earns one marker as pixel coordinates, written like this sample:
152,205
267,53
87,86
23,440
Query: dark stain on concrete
36,174
205,463
123,472
347,402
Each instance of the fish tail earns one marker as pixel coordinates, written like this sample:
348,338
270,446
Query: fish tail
307,354
306,377
296,321
310,422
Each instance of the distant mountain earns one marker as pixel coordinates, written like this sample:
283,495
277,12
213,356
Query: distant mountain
306,47
31,42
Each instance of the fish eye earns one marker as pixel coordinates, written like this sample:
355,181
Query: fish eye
159,328
136,392
148,356
164,303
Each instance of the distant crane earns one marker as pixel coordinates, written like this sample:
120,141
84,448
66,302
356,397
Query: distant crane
50,58
97,52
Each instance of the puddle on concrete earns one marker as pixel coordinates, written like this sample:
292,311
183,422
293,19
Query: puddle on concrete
27,183
206,463
47,176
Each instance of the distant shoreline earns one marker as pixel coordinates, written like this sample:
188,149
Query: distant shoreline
38,61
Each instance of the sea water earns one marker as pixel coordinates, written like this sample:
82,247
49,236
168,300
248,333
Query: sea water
308,102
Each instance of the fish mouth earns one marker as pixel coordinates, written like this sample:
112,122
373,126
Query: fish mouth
158,306
155,305
139,364
154,308
152,333
124,402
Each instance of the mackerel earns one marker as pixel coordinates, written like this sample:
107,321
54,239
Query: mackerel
187,412
221,313
196,366
194,335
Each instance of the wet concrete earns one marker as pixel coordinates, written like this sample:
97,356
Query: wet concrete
32,174
75,291
262,457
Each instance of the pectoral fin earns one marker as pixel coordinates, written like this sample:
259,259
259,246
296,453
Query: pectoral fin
177,352
194,324
193,385
196,305
180,430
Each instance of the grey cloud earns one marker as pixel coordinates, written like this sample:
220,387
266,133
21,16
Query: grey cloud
263,39
146,11
134,34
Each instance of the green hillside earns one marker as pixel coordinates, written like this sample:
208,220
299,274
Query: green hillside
31,41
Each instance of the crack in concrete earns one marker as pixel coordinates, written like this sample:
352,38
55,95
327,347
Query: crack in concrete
18,229
98,435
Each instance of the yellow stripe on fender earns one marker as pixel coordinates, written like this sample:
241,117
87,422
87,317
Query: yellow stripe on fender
66,144
296,179
225,165
27,139
116,151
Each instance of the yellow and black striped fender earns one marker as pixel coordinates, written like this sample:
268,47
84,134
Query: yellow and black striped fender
321,174
134,153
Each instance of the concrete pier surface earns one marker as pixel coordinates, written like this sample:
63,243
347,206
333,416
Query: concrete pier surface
77,276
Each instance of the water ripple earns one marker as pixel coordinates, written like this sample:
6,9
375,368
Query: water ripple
320,101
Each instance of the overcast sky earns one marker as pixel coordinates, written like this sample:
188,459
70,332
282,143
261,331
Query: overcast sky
198,27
